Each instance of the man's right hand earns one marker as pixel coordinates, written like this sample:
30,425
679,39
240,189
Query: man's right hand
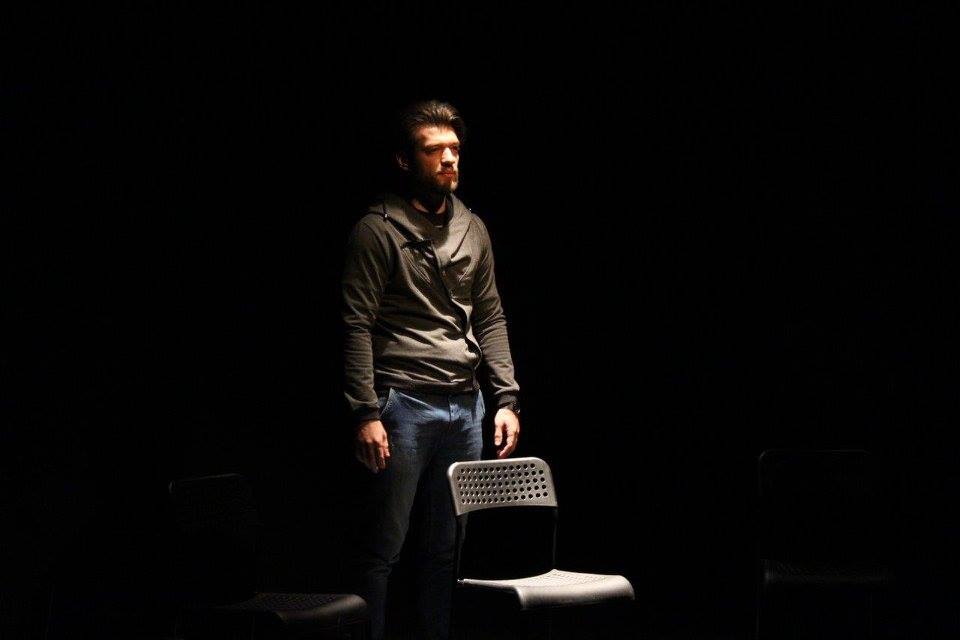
371,447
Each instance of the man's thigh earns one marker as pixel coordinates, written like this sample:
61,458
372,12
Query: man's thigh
462,440
391,492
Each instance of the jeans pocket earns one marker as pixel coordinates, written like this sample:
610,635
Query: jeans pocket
385,401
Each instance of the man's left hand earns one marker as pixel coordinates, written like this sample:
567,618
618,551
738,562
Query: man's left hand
506,432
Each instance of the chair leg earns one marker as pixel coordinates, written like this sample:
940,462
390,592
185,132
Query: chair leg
760,621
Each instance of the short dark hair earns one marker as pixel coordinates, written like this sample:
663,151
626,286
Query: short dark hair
426,113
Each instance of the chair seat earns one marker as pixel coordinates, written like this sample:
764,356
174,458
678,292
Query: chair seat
558,588
824,574
316,610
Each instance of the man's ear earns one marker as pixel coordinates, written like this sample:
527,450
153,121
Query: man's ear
402,161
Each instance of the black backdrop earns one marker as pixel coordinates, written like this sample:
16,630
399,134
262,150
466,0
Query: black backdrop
718,229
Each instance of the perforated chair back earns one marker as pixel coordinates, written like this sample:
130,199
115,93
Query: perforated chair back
219,505
491,484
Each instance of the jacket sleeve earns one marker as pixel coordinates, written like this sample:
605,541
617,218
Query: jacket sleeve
490,324
365,274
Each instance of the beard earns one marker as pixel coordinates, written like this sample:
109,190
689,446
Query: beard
437,185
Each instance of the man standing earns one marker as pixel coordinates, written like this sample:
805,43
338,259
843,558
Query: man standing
421,310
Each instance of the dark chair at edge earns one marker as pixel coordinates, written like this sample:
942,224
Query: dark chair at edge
218,518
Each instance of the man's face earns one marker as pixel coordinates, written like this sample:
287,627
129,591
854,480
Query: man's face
435,164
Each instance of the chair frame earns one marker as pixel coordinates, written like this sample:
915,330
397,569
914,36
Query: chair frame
513,482
246,491
763,491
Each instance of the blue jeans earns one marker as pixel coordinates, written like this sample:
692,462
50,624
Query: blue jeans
426,433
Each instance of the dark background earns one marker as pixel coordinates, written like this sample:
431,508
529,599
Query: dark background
719,228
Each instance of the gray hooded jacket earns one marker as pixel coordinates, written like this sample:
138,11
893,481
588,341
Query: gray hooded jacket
421,307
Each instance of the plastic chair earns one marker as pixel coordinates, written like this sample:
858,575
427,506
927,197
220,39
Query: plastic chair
521,482
821,544
219,520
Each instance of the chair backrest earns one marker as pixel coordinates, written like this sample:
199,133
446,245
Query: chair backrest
218,518
491,484
221,505
835,474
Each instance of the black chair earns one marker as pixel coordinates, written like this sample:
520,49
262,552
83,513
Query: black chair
218,518
518,483
822,544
